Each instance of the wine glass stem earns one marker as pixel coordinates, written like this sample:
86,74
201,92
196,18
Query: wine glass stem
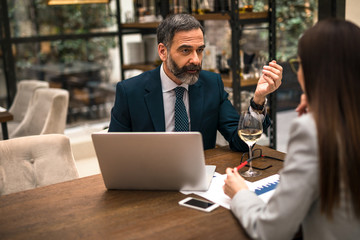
250,156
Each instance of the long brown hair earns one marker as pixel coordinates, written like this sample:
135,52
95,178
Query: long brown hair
330,59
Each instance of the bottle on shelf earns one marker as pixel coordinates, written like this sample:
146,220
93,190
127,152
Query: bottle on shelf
179,6
204,7
249,6
246,6
221,6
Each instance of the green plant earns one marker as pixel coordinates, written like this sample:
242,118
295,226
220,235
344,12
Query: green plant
35,18
293,17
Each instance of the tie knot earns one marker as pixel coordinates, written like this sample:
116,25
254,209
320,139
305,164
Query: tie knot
179,91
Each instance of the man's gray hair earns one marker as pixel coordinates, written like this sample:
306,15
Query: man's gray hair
176,23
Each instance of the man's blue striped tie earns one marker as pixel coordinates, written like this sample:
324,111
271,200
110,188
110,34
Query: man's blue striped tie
181,117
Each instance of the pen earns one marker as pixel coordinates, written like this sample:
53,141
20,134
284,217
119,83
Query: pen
244,163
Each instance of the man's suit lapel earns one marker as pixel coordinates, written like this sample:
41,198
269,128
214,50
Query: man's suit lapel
196,101
154,100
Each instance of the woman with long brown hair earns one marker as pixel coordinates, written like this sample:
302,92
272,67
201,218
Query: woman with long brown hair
319,186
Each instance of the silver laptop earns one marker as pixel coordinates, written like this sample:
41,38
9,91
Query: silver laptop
153,161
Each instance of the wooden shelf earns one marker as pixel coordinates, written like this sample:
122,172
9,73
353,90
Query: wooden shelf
140,25
212,16
201,17
244,83
249,82
143,67
225,78
226,16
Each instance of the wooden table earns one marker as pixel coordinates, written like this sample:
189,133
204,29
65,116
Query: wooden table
84,209
4,118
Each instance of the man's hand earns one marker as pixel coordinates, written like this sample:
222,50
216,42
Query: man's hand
269,81
233,183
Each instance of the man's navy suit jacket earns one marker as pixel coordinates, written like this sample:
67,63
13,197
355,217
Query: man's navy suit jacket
139,108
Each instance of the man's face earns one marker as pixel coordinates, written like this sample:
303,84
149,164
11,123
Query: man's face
183,60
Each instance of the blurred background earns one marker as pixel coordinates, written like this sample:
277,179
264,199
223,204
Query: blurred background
86,47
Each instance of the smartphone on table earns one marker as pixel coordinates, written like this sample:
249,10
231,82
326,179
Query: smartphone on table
198,204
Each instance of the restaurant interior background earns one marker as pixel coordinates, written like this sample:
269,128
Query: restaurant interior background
82,48
76,47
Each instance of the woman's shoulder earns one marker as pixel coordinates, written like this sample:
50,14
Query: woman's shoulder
305,119
302,145
302,152
304,125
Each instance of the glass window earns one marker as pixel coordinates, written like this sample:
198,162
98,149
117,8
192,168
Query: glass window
88,69
292,21
36,18
293,18
66,52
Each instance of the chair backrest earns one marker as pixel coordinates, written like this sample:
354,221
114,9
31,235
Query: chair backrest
25,91
46,114
34,161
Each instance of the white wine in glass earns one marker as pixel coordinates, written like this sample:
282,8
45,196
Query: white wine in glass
250,130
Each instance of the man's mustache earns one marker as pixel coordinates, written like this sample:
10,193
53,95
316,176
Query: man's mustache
192,67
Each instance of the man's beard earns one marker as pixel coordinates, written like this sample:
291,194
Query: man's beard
182,73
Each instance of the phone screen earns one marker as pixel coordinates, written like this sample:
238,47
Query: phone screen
198,203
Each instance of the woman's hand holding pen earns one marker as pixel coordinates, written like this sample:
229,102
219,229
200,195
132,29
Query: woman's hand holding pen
233,182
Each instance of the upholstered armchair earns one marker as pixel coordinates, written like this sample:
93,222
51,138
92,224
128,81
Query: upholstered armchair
35,161
46,114
24,94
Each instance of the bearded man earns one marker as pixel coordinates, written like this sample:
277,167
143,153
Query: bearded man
151,101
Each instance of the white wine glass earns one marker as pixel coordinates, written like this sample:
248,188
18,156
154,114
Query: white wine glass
250,130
